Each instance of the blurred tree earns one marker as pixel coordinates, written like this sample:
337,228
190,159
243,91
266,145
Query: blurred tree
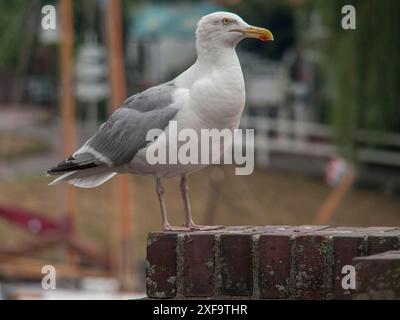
363,67
11,26
20,48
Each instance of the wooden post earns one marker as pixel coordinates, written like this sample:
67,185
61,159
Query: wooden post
67,102
121,247
331,203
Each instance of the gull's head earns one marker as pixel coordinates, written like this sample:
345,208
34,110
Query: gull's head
226,29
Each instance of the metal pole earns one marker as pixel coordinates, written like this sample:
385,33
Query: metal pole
121,250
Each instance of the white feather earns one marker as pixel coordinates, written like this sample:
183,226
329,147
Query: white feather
61,179
92,181
87,178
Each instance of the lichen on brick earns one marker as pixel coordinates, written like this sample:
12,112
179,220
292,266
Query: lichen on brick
300,249
171,280
324,248
151,239
159,295
281,288
150,269
151,283
301,279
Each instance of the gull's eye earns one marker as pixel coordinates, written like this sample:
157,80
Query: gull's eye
226,21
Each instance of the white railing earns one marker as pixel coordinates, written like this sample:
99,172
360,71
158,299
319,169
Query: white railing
315,139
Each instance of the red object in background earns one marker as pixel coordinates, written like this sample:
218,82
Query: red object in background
34,222
335,171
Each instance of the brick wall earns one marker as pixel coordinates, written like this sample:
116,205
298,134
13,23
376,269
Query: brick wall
270,262
378,276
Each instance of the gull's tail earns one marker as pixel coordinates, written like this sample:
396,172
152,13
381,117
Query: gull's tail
81,170
84,179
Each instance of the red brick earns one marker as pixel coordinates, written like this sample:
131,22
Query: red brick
161,265
236,264
348,243
274,258
379,242
311,268
274,265
198,265
303,262
378,276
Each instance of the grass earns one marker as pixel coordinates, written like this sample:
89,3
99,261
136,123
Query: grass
14,146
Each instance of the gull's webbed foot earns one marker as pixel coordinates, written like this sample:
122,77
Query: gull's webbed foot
198,227
176,228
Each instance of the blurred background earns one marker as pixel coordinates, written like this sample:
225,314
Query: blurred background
324,102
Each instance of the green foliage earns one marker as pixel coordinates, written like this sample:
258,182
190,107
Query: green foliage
11,26
365,67
18,18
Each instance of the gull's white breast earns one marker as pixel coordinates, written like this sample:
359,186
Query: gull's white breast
214,101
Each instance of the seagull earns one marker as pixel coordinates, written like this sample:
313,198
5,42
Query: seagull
209,94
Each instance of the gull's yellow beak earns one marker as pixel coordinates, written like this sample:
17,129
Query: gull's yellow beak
256,32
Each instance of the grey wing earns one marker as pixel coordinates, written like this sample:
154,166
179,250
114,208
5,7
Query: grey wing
124,133
153,98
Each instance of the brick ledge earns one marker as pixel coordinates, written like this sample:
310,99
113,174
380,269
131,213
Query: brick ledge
261,262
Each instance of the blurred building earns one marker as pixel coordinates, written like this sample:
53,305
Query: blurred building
160,40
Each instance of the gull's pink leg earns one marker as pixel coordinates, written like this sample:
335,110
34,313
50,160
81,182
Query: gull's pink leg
166,226
189,223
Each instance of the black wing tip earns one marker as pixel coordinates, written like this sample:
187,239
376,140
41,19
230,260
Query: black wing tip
69,165
55,171
68,168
